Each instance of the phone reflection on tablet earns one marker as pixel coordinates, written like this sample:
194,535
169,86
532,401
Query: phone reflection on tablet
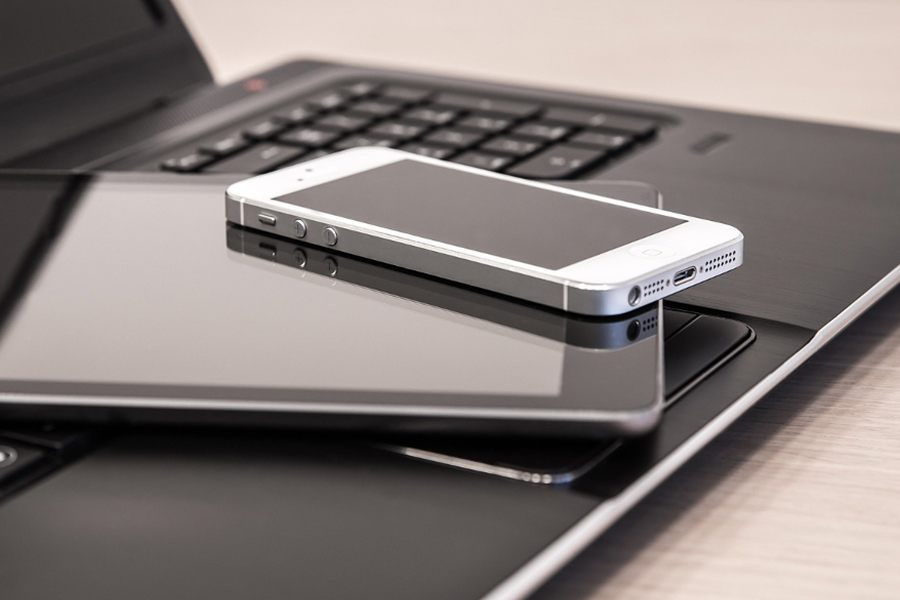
602,350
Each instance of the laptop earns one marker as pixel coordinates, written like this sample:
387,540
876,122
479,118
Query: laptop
149,511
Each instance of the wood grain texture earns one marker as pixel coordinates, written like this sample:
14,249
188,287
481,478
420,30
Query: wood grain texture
799,499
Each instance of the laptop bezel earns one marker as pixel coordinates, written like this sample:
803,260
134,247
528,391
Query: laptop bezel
131,73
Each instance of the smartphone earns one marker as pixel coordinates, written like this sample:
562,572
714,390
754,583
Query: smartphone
541,243
550,461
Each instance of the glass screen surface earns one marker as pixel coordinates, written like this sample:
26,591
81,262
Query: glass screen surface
501,218
141,292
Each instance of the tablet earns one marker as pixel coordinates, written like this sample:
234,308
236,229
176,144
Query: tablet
140,303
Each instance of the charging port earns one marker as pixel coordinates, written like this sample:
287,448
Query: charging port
684,275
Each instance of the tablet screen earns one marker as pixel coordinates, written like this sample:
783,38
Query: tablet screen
146,292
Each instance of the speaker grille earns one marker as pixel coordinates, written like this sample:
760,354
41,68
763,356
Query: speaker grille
649,324
720,261
653,288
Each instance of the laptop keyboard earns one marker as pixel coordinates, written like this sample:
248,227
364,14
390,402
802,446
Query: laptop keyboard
509,135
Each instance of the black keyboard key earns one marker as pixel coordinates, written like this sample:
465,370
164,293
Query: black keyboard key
576,116
296,114
510,145
258,159
355,141
188,163
558,162
264,129
590,118
405,94
455,138
639,128
305,158
490,162
225,146
515,110
326,100
398,131
342,122
362,88
430,116
601,140
484,123
429,150
542,131
309,136
17,459
374,108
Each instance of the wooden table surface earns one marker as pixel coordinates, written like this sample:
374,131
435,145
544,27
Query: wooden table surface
800,498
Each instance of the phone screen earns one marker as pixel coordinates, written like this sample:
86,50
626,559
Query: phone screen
498,217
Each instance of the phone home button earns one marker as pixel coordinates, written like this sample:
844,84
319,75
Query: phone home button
330,235
651,251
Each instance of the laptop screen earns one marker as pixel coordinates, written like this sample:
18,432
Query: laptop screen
39,31
69,66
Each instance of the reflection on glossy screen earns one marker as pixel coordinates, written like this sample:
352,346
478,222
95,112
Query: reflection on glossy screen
167,303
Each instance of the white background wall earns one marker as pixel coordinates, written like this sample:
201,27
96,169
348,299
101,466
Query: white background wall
830,60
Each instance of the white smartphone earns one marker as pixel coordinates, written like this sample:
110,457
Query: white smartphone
534,241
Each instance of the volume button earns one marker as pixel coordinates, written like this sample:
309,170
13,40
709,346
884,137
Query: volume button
330,235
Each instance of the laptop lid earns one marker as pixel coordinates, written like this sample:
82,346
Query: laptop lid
68,67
